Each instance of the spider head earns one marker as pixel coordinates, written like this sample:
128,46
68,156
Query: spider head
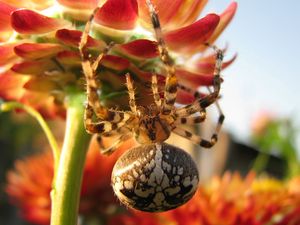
151,128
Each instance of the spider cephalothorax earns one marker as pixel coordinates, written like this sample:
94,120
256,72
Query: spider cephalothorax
154,176
152,129
152,126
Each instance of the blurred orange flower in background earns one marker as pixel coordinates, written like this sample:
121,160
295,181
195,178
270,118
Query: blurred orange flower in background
231,200
39,51
30,183
227,200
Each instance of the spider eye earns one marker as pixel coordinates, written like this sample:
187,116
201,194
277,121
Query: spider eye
154,178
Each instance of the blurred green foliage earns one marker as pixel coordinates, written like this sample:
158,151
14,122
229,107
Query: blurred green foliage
277,136
17,135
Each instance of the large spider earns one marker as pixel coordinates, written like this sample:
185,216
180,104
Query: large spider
155,176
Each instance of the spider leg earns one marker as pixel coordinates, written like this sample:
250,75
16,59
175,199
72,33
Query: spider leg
111,133
191,120
200,105
196,138
100,141
93,102
131,94
116,145
155,91
203,102
88,115
125,135
170,90
101,127
198,119
89,71
83,42
221,115
196,94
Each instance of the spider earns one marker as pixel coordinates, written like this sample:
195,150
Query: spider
155,176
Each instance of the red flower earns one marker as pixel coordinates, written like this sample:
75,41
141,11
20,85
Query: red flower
30,190
43,47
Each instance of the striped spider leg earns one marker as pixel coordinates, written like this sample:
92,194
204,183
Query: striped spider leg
108,122
200,104
170,89
183,115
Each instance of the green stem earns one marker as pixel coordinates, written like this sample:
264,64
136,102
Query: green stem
7,106
67,185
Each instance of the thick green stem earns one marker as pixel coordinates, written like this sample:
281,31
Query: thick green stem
67,184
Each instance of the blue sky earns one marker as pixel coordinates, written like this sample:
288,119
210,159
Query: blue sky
266,74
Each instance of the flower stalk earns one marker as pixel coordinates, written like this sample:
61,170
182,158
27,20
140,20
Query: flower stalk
8,106
65,193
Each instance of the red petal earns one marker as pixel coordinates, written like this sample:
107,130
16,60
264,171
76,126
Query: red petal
115,62
208,67
41,85
194,7
32,4
211,58
5,11
188,38
7,53
72,37
142,48
26,21
11,85
79,4
172,13
69,58
166,10
33,67
145,76
49,109
225,19
184,97
37,51
193,80
115,80
118,14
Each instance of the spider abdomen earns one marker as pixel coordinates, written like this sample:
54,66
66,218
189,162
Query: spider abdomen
155,177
